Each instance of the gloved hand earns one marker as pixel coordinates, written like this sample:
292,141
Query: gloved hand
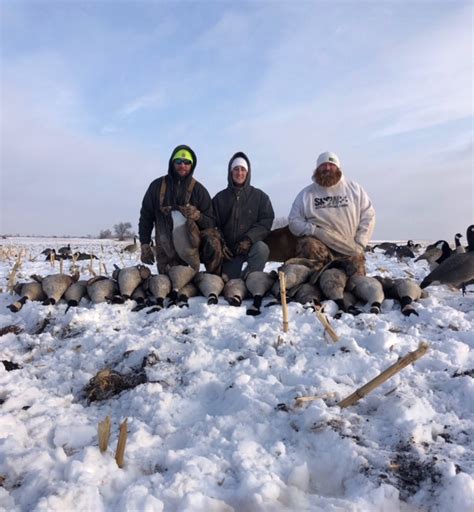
243,247
190,212
147,255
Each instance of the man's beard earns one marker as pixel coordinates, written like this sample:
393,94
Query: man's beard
326,178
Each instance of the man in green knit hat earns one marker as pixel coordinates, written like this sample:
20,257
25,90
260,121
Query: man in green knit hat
177,190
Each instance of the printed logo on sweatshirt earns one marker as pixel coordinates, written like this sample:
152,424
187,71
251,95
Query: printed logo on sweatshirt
331,202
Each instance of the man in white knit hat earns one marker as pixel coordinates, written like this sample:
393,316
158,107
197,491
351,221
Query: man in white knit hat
333,216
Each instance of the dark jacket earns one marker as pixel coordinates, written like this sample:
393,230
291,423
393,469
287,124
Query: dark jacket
152,215
242,211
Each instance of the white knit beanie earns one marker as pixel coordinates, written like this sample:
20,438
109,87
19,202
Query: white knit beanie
239,161
328,157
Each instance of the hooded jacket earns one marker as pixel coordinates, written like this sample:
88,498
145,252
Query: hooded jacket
243,211
341,216
151,214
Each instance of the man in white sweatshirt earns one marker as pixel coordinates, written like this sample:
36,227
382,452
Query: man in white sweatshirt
333,216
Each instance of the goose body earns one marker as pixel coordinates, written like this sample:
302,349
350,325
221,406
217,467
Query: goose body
332,283
210,285
307,293
180,276
159,286
235,291
368,289
101,288
258,284
129,278
55,285
295,274
27,291
74,293
186,292
186,239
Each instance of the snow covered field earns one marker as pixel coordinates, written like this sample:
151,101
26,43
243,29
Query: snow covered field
216,428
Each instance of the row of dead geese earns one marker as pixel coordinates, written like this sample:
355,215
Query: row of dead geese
304,284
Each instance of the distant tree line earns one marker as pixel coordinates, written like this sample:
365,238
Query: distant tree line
122,231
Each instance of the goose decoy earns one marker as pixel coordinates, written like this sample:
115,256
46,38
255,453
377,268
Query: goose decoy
367,289
403,252
74,294
101,289
131,248
159,287
458,248
457,270
210,285
384,246
258,284
235,291
65,251
55,285
27,291
180,276
186,239
436,253
81,256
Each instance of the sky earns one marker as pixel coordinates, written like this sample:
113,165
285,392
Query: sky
95,96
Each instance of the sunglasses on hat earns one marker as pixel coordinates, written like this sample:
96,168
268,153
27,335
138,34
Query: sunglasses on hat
184,161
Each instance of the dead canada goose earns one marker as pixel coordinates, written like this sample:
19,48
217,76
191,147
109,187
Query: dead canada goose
186,292
55,285
457,270
368,289
332,282
129,278
436,253
307,293
74,294
235,291
186,239
27,291
295,274
180,275
101,288
159,287
408,291
404,290
131,248
210,285
258,284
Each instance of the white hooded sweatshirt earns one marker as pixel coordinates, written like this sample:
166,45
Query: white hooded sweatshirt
342,216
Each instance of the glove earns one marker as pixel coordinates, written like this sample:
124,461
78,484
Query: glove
243,247
190,212
147,255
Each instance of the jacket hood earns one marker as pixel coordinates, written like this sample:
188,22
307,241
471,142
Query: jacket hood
240,154
170,163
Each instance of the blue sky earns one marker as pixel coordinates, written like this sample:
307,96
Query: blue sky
95,95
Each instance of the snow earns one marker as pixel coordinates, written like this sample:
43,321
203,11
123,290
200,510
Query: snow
216,427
